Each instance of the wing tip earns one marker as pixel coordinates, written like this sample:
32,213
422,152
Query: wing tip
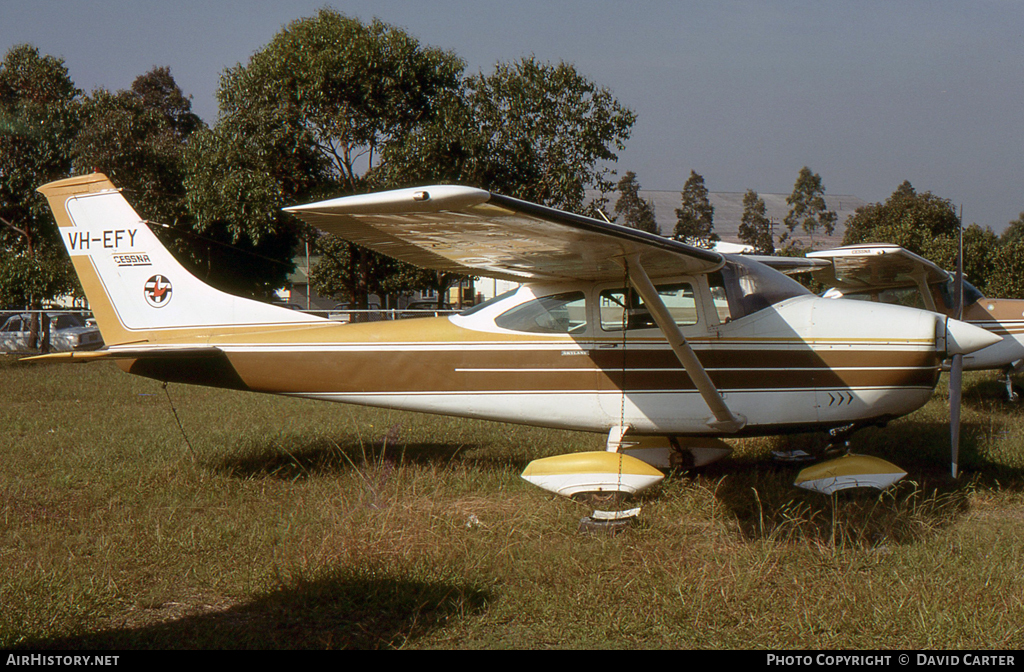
431,198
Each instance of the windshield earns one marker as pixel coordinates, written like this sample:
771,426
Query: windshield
750,286
489,302
948,289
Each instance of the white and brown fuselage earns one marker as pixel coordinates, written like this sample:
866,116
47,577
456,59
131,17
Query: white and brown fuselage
792,364
465,366
889,273
1004,318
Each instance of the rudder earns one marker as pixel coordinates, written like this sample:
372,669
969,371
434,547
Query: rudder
136,288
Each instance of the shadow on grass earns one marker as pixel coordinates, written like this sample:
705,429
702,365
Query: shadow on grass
353,612
987,391
298,458
923,450
767,506
760,494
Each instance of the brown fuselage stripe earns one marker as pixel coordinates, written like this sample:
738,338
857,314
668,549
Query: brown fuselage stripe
398,371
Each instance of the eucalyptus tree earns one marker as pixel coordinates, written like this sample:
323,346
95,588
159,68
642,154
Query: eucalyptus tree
1007,273
807,208
755,226
927,225
549,133
695,217
533,130
334,106
636,211
1014,230
923,223
138,138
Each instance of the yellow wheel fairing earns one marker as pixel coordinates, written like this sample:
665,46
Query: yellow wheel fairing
849,471
598,471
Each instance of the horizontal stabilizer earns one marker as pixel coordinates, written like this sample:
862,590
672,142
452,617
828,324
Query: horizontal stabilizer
142,352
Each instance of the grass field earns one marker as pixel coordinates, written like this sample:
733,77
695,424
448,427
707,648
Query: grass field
283,523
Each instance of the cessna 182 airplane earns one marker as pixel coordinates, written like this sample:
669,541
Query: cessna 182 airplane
892,274
665,348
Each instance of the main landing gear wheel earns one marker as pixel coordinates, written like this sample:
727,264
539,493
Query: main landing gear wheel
610,523
844,470
608,500
610,514
838,445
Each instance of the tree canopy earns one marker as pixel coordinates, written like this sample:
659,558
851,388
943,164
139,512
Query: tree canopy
695,218
531,130
923,223
138,138
39,117
636,212
309,116
755,227
807,208
332,106
1015,231
927,225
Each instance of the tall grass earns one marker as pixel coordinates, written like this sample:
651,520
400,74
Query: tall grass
283,523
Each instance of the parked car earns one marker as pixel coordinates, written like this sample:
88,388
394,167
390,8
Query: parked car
67,332
344,312
424,309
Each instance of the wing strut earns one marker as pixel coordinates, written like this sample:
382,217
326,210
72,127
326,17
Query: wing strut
725,420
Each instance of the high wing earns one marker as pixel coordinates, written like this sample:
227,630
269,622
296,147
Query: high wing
470,231
791,265
878,266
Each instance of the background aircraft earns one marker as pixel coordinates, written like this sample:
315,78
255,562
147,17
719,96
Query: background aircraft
892,274
663,347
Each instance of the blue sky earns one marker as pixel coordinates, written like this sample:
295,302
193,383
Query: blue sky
866,93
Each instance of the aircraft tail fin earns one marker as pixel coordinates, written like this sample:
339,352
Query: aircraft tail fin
137,290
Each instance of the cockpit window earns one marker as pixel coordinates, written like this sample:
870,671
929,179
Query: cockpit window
897,296
489,302
948,289
749,286
625,307
556,314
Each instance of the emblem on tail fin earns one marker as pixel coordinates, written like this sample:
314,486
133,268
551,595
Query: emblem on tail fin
115,254
158,291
